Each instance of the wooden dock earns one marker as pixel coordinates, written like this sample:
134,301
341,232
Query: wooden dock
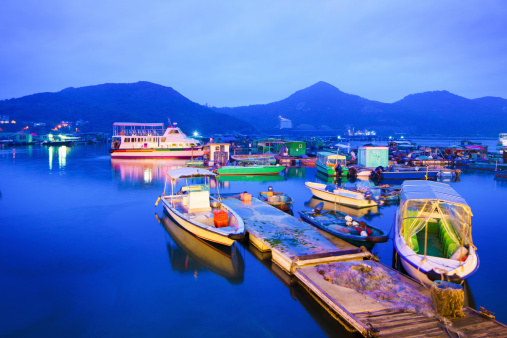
303,252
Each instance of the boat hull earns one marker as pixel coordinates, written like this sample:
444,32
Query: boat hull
368,242
340,197
329,171
253,159
409,175
156,153
250,170
195,229
423,272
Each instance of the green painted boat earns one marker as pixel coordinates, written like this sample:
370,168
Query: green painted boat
195,164
250,170
254,159
327,163
251,178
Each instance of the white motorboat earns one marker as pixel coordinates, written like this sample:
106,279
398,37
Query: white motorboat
433,233
195,210
332,193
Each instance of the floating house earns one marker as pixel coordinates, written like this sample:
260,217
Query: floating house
217,153
372,157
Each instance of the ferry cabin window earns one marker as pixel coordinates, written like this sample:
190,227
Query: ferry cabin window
217,148
163,139
173,145
127,139
174,131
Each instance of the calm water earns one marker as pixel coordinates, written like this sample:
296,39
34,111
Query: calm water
84,252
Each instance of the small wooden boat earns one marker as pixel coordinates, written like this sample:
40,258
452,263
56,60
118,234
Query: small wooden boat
254,159
309,161
279,200
332,193
366,213
345,227
433,233
250,170
195,164
57,143
403,173
199,213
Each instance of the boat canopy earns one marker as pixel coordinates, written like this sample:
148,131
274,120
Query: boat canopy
189,172
424,202
426,190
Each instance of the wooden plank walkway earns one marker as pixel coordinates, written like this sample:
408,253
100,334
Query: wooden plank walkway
292,242
301,250
396,323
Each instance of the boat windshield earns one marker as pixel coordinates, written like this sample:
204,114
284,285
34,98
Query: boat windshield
336,161
415,215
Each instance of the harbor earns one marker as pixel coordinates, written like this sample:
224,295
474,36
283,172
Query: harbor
284,267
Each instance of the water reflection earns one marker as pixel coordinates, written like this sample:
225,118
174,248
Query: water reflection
295,172
333,326
50,151
189,254
367,213
62,156
144,170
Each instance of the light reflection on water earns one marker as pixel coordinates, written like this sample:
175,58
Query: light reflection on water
89,258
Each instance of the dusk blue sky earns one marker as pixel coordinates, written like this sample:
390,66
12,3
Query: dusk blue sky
231,53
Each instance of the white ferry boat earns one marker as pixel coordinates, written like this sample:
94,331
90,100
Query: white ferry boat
152,140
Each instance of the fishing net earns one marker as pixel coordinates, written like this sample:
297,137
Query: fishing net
379,283
448,299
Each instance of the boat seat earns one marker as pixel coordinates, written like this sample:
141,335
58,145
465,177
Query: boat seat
198,201
414,244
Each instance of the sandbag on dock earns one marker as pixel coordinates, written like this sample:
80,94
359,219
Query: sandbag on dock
378,283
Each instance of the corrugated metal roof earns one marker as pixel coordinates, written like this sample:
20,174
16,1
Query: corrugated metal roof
427,190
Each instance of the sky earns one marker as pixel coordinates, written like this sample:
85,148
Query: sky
235,53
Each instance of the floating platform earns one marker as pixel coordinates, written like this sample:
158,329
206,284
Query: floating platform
292,242
388,304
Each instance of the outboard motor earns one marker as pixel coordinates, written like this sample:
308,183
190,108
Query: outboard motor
339,170
352,174
369,197
318,208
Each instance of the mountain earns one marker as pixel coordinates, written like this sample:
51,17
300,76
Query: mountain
323,106
104,104
319,107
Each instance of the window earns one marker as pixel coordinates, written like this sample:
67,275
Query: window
300,146
163,139
127,139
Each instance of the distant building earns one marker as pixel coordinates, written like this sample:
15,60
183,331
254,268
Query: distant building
285,123
39,124
4,118
366,132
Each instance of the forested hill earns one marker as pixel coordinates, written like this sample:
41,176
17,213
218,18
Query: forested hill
323,106
104,104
